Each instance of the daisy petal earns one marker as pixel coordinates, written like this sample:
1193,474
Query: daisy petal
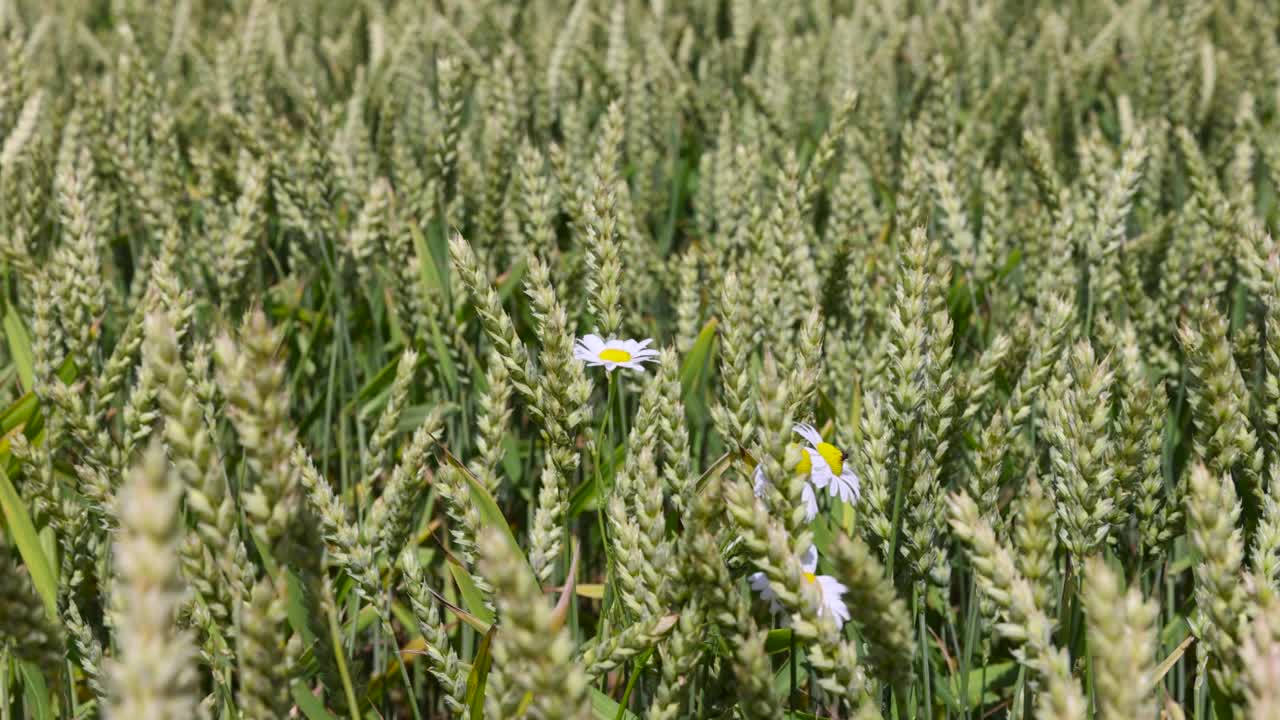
821,475
809,560
810,503
760,584
833,599
808,432
582,352
846,486
760,483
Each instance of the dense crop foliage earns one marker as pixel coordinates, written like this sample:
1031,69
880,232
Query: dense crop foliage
325,393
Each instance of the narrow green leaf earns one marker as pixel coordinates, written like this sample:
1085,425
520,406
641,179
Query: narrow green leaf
585,497
295,610
413,416
368,616
592,591
511,280
471,596
20,348
67,371
490,514
721,464
428,272
981,682
1180,565
441,355
778,640
479,674
35,692
511,464
374,387
604,707
1167,664
782,677
1175,630
433,283
309,704
20,528
25,411
406,618
698,358
479,625
20,412
822,534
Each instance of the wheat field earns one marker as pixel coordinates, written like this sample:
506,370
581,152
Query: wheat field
622,359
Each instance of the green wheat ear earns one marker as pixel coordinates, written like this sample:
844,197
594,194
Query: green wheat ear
1259,653
1122,637
153,673
35,637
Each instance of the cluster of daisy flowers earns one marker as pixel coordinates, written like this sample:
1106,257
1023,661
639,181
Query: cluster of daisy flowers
823,467
822,464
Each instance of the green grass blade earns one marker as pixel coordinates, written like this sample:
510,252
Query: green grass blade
20,348
309,704
479,674
35,692
20,528
604,707
778,640
490,514
1167,664
470,593
374,388
698,359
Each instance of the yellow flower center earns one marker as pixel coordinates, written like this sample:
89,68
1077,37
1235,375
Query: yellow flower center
615,355
834,457
805,465
810,578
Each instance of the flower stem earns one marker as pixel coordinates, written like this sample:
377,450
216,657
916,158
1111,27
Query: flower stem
605,428
600,487
631,683
335,637
897,520
791,696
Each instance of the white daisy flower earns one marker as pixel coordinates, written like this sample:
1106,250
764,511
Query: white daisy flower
832,473
830,590
823,464
595,351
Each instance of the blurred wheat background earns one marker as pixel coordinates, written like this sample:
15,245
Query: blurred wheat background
324,394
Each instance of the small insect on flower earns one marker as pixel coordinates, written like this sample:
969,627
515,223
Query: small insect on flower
595,351
830,591
823,464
